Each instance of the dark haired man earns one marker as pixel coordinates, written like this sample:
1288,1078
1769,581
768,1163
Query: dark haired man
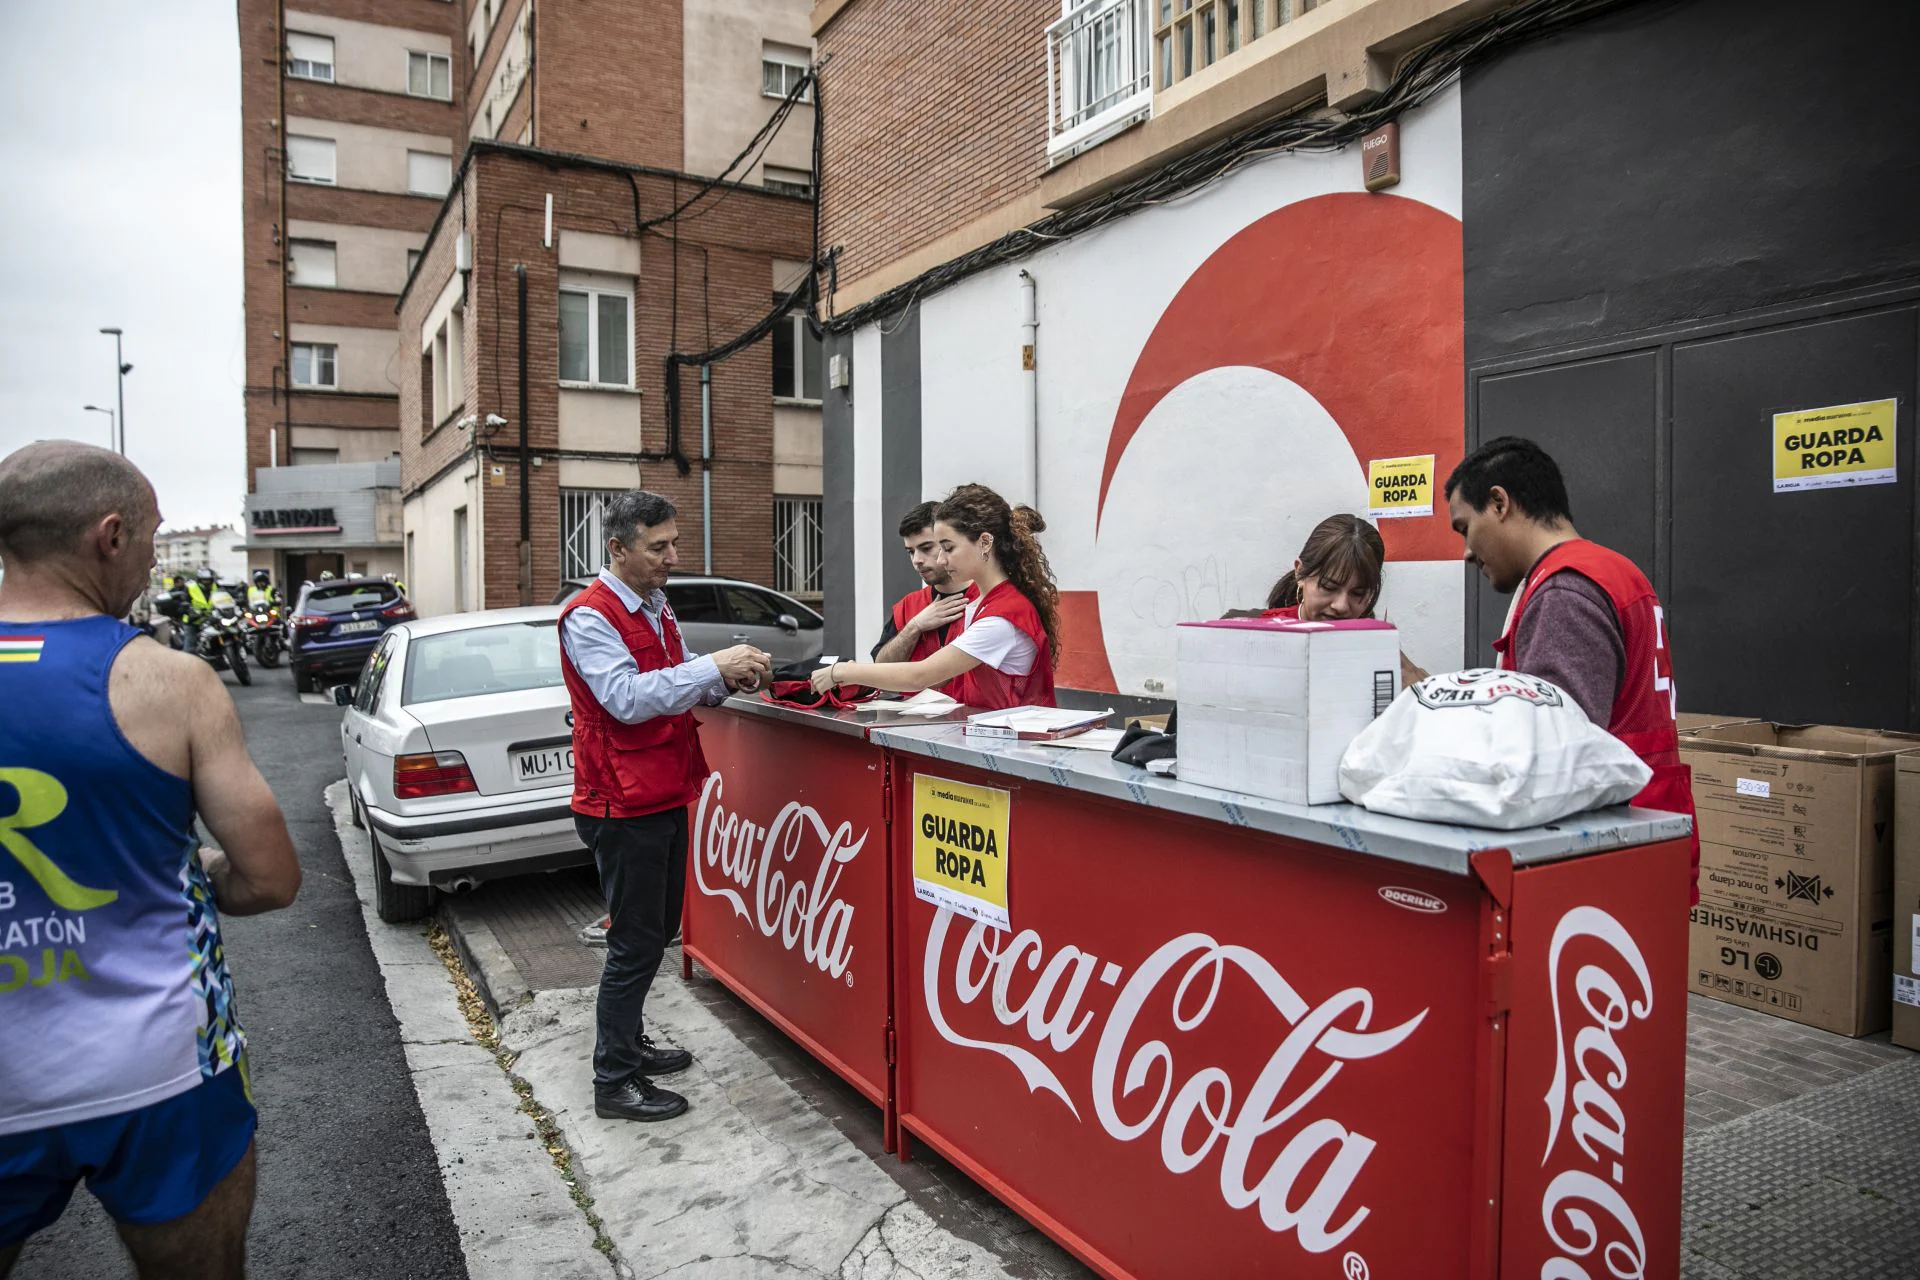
633,685
1583,617
923,621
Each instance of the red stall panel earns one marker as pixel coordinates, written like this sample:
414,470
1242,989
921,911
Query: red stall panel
787,886
1204,1051
1596,1067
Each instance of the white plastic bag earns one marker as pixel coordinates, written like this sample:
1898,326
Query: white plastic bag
1488,748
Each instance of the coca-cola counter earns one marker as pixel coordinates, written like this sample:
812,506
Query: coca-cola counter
1195,1034
1190,1033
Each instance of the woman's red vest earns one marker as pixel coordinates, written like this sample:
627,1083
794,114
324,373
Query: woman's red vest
992,690
1643,707
929,642
630,770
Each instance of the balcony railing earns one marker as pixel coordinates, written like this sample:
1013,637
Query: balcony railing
1099,74
1192,35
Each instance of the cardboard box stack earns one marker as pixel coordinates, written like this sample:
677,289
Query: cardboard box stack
1267,708
1796,870
1692,721
1906,902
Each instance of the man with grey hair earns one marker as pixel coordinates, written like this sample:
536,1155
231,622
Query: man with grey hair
637,765
122,1059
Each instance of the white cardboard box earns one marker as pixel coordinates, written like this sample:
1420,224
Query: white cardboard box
1268,707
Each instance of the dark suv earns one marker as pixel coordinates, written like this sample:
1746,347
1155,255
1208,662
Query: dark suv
336,625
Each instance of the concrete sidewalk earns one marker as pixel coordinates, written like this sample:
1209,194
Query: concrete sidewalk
1802,1158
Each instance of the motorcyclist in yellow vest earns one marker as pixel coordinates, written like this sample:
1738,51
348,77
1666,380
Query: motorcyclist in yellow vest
261,595
199,608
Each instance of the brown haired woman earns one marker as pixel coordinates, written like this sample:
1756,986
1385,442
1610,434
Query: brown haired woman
1005,653
1336,576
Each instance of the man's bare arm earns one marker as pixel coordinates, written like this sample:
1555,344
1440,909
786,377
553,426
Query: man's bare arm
900,648
255,869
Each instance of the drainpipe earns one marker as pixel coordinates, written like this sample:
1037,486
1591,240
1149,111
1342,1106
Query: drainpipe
706,469
526,543
1030,376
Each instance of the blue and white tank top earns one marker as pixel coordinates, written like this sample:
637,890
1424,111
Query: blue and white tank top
114,992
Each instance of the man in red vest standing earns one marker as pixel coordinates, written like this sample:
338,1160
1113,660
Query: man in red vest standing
1583,617
924,621
637,764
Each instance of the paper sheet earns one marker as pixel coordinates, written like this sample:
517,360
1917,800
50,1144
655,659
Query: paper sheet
1101,740
928,702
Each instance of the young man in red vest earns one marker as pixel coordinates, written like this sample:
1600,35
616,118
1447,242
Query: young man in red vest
637,763
1583,617
923,622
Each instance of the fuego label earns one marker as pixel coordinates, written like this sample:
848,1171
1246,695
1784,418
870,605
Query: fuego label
1834,448
960,848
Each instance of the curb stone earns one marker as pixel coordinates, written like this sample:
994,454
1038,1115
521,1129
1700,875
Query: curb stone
493,972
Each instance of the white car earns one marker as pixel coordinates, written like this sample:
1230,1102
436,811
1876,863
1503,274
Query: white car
459,752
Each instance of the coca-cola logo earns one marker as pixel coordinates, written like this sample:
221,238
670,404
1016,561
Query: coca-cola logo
1141,1086
1584,1207
782,878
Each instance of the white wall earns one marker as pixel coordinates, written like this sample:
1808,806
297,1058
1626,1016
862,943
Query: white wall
428,516
1215,493
724,106
367,55
371,259
367,158
869,602
368,360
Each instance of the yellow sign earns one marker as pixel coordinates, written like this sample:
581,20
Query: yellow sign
960,848
1399,487
1833,448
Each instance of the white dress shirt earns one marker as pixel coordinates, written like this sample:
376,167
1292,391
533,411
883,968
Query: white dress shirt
629,694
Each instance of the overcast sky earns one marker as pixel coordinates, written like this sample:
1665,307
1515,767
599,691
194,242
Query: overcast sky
121,206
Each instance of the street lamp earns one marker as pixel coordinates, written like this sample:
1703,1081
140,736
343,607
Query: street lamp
112,438
121,370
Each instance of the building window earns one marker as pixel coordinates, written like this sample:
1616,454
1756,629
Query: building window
782,66
413,261
793,182
430,75
310,264
796,358
309,57
406,565
595,336
583,537
316,364
797,546
446,378
429,173
310,159
314,457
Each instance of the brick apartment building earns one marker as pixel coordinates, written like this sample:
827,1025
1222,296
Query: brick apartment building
350,110
356,118
1609,229
591,125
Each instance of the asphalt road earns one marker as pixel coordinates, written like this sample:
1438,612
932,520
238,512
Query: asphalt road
348,1182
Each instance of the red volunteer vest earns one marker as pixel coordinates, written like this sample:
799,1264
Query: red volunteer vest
930,642
992,690
1643,708
630,770
1288,613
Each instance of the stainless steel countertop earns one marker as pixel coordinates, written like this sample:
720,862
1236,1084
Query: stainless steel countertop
1436,846
854,722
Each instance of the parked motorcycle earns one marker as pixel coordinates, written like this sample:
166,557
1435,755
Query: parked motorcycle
266,634
223,638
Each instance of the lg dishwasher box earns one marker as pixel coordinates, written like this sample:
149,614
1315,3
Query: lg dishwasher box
1268,707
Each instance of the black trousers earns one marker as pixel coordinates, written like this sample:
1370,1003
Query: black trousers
643,876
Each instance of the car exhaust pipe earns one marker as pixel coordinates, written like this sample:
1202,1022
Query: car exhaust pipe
460,884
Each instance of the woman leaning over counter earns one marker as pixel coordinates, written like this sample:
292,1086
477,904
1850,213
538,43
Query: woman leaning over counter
1005,654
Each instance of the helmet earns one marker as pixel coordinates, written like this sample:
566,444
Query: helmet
390,578
261,577
326,575
203,576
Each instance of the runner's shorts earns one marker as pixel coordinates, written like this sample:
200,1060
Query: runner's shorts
146,1166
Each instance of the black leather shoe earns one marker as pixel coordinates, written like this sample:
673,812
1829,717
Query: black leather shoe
655,1061
638,1099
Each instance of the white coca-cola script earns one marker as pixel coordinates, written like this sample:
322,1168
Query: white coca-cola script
782,878
1585,1208
1198,1109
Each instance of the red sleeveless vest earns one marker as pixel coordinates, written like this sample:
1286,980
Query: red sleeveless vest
929,642
1643,707
630,770
992,690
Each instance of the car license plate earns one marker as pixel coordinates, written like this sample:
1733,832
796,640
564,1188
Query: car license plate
543,765
351,628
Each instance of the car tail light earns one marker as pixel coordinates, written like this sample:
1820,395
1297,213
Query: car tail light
431,773
398,612
310,621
